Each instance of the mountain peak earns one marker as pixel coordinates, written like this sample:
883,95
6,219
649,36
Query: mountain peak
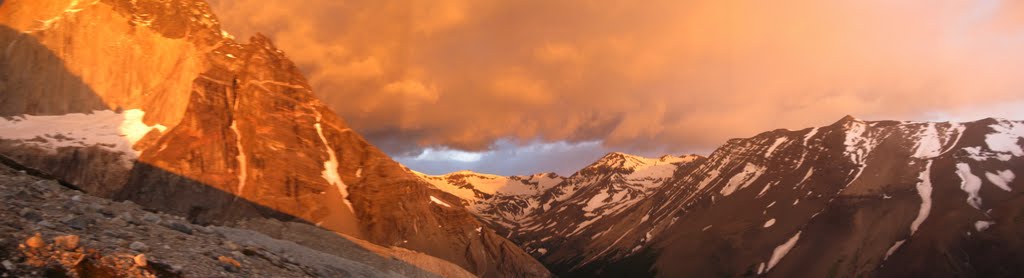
624,160
847,119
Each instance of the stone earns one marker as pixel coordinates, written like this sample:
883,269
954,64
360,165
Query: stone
232,245
140,260
67,242
118,222
76,198
46,224
66,219
127,217
30,214
35,241
8,265
106,212
47,185
80,222
138,246
231,268
151,217
205,229
179,227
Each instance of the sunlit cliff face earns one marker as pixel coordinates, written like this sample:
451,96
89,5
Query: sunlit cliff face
679,75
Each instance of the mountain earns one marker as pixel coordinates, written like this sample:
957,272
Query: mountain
580,218
500,201
855,198
150,101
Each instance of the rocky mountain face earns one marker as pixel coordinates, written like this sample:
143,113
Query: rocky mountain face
855,198
150,101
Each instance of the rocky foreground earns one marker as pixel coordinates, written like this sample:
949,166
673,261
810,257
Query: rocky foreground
48,230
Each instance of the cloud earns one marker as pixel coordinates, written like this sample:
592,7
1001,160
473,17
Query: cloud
637,76
509,158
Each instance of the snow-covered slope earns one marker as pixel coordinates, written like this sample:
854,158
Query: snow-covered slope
501,201
572,218
596,209
853,198
856,198
116,132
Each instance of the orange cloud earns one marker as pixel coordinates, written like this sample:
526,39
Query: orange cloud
672,75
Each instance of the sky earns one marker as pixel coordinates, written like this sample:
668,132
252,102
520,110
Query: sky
518,87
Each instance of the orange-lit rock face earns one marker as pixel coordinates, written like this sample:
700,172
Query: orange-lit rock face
244,137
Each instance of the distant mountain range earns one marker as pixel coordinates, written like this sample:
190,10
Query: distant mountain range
855,198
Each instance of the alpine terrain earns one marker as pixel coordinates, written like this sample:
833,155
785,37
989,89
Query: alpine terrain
855,198
139,139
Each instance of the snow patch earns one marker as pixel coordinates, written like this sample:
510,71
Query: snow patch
1002,179
771,150
439,202
929,143
970,184
809,135
858,146
748,175
73,7
764,190
226,35
243,167
924,189
977,154
807,176
1001,143
893,248
1005,137
981,226
597,201
117,132
712,175
959,128
330,173
781,250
